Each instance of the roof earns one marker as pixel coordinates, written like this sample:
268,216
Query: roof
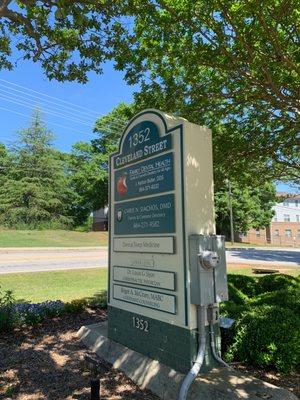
286,195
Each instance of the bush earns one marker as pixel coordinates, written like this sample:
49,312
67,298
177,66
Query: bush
233,310
246,284
7,313
270,283
235,295
267,337
284,298
75,306
99,300
34,313
86,226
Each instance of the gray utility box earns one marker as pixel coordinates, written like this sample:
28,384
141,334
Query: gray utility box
208,269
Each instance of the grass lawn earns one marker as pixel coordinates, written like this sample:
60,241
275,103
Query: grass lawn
55,285
75,284
247,270
51,238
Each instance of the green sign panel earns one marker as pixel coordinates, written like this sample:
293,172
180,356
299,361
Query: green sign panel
142,141
145,178
151,215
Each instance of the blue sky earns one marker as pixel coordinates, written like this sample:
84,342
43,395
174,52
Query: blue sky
99,96
76,102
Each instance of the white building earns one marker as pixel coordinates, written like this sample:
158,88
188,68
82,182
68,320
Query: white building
287,210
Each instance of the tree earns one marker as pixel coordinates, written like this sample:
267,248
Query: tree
231,65
35,192
252,207
4,163
88,179
68,38
89,162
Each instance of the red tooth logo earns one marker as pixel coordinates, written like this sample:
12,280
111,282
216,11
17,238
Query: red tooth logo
121,185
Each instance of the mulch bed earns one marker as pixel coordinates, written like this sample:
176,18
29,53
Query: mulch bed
46,362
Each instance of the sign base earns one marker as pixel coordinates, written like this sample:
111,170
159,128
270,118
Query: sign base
169,344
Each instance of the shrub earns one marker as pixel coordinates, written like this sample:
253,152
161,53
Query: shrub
34,313
75,306
246,284
7,314
99,300
233,310
269,283
235,295
284,298
267,336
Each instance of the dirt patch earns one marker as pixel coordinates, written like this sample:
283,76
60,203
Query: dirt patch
290,382
46,362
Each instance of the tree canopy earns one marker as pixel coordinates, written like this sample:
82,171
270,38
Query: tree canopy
231,65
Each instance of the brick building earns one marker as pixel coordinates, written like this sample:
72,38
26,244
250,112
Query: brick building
284,229
100,219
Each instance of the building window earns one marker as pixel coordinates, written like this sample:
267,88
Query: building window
286,217
296,203
288,233
258,233
286,203
276,232
298,233
297,218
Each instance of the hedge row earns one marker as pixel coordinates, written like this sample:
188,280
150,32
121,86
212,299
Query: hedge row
266,332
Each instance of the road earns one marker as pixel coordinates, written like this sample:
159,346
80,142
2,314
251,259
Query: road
268,256
32,260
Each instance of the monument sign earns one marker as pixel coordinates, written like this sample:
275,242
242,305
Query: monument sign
161,191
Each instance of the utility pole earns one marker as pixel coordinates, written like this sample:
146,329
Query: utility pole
230,211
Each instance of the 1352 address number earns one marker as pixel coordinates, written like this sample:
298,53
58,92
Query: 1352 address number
141,324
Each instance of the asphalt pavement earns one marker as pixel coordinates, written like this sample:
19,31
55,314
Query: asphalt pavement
268,256
55,259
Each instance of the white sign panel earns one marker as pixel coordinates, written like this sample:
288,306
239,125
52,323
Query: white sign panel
145,277
146,298
163,245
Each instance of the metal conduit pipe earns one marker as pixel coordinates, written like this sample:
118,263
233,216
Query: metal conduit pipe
190,377
213,347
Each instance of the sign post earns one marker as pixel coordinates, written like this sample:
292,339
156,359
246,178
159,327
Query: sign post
161,191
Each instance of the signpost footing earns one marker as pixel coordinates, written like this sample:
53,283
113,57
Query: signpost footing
165,382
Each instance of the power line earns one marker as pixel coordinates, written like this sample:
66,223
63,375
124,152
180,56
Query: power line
50,123
39,101
45,110
39,98
51,97
114,122
22,96
24,101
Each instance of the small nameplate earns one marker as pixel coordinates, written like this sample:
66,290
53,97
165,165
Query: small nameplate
164,245
145,277
145,298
